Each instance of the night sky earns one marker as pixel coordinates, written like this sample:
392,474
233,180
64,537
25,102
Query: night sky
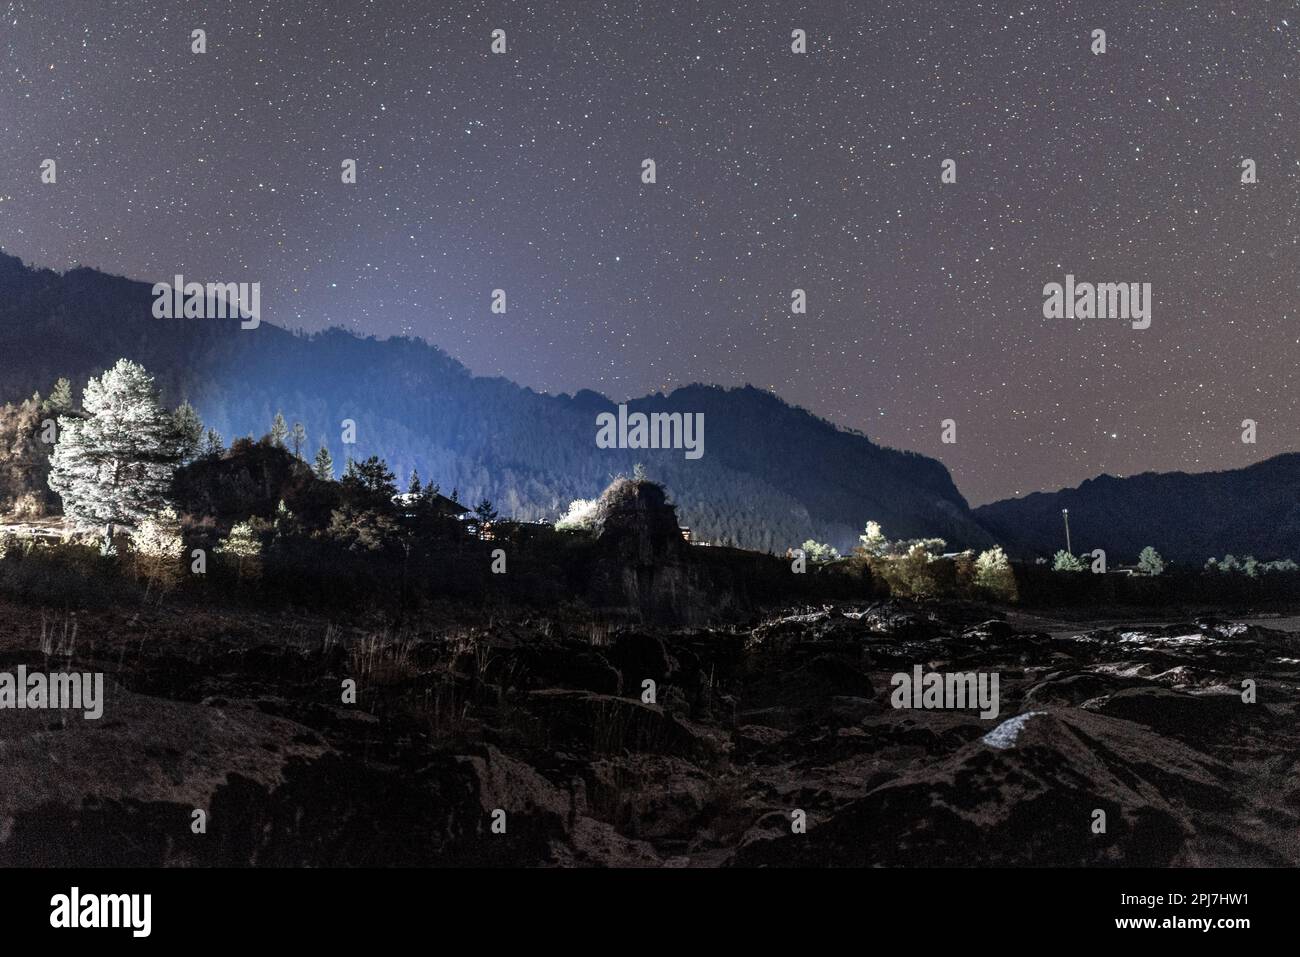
775,171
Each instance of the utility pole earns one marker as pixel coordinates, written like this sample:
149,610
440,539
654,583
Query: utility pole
1065,514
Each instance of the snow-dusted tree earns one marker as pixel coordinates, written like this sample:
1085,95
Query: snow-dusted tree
323,468
279,430
299,438
114,466
189,431
1150,562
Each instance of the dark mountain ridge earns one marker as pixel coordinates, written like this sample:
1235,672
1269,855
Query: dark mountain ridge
772,474
1186,517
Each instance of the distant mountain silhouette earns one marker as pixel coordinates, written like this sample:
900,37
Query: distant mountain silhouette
772,475
1188,518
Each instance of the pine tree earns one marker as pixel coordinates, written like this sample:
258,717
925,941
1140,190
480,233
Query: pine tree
115,465
369,484
1063,561
244,545
323,468
60,399
299,438
486,515
189,430
213,445
279,430
414,488
285,522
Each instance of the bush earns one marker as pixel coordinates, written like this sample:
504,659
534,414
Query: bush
62,573
29,505
817,552
1150,562
158,548
993,574
583,515
917,574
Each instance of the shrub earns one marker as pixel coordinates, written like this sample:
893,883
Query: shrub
917,574
583,515
817,552
29,505
1150,562
994,575
157,547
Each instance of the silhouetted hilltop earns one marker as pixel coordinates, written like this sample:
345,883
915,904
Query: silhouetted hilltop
1253,510
772,475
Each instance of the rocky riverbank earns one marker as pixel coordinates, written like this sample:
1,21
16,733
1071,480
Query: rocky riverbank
534,742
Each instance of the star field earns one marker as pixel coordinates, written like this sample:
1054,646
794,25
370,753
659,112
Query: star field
775,171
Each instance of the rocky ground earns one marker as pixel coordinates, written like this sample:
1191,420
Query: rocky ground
243,717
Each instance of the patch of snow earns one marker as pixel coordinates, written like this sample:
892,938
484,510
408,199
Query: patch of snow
1004,735
1146,638
1123,669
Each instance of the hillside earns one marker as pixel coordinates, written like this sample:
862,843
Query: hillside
1188,518
772,475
